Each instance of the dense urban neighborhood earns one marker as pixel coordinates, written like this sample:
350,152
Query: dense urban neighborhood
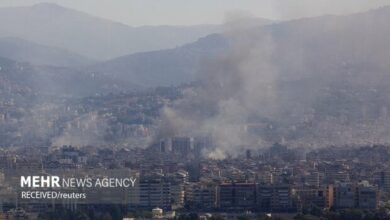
280,118
174,178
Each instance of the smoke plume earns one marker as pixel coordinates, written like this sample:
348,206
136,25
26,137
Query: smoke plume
234,88
303,83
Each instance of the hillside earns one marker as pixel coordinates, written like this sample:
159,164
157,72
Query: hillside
324,47
164,67
20,80
25,51
53,25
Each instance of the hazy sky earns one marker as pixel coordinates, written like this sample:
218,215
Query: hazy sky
189,12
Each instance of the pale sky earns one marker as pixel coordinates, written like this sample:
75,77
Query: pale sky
190,12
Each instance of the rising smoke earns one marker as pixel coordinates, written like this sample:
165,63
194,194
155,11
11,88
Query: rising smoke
86,130
301,83
235,87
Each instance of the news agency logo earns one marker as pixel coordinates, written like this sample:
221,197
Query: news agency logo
57,188
57,182
40,181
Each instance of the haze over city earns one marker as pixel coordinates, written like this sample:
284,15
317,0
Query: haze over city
178,12
216,109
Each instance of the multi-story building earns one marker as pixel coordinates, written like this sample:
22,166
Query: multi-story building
367,196
313,179
165,145
318,196
182,145
157,191
345,195
240,196
201,196
265,177
274,198
385,180
349,195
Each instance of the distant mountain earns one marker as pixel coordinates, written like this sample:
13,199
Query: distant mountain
164,67
10,89
25,51
327,47
331,46
314,81
19,81
93,37
309,82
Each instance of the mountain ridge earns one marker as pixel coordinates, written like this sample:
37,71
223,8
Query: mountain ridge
92,36
323,43
24,51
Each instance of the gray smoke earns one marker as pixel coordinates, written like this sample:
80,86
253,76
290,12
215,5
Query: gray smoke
85,130
306,83
234,87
